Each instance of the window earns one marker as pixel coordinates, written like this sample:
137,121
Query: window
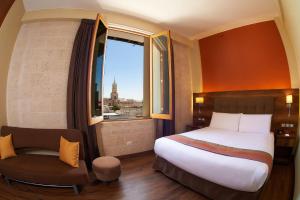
129,76
123,86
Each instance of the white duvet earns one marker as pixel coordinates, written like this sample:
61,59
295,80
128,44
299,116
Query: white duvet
236,173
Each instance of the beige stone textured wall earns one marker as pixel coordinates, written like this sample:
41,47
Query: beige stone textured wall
117,138
38,74
183,87
196,67
8,34
289,51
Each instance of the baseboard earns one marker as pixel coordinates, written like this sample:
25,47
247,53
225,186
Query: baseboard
135,154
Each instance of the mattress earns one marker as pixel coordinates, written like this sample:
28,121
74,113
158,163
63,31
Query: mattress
232,172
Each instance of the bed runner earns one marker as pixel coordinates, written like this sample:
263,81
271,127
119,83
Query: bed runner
255,155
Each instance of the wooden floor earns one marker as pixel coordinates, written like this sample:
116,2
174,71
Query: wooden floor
140,182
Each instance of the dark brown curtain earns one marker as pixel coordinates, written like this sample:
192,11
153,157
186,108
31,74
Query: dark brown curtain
167,127
77,89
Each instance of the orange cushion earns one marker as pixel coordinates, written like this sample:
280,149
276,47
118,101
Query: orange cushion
69,152
6,147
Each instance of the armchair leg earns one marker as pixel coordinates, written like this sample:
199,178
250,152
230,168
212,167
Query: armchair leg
76,189
7,180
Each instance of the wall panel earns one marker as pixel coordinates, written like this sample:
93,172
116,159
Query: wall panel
183,87
38,74
246,58
117,138
8,34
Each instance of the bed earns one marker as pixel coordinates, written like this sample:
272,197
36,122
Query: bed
217,175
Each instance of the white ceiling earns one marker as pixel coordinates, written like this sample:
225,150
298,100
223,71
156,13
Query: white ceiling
190,18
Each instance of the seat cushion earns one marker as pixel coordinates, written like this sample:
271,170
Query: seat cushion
106,162
107,168
43,169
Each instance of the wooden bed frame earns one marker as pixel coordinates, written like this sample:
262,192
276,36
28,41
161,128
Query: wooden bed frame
204,187
248,102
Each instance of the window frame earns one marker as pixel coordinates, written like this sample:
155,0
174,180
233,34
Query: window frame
148,82
94,120
153,115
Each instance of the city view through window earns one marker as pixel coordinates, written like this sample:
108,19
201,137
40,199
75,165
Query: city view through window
123,80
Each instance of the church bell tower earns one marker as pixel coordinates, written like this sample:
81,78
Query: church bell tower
114,93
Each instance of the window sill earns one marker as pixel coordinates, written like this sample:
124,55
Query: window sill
125,120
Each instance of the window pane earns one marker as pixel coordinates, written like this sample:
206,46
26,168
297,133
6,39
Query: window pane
160,75
123,79
96,93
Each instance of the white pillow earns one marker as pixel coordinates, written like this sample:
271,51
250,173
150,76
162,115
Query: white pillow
255,123
227,121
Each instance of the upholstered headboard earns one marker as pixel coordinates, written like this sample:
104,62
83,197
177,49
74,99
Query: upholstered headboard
248,105
249,102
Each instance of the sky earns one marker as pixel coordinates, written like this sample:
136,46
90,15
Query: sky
125,63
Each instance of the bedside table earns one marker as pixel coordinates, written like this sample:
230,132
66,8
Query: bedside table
193,127
285,146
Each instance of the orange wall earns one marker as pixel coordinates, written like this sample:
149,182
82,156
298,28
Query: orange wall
245,58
